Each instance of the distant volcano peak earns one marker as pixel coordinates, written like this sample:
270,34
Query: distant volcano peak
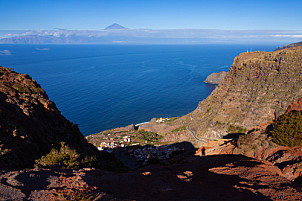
115,26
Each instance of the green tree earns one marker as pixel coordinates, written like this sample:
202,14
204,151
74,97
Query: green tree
65,157
287,129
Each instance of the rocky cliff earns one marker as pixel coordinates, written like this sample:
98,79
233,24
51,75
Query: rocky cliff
258,88
215,78
31,124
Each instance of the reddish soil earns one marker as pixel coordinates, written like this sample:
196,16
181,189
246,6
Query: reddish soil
220,177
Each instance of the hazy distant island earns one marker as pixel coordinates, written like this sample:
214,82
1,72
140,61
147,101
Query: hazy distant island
289,46
118,34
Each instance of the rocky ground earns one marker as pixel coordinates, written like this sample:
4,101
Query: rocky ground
220,177
31,124
257,143
215,78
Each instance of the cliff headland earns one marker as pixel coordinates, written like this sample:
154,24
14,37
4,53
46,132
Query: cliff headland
215,78
258,88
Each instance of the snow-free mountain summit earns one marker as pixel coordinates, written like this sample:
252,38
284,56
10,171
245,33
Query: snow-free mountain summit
115,26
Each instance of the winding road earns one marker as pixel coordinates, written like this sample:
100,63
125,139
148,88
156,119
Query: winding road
193,134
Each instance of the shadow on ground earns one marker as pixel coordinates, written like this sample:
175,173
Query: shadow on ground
185,179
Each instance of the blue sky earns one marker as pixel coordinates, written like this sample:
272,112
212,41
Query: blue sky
153,14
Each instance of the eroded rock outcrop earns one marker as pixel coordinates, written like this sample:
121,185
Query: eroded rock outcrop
295,106
31,124
215,78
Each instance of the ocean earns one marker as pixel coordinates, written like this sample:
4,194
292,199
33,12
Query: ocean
100,87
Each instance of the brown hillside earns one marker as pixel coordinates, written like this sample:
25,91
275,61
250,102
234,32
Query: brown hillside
31,124
258,88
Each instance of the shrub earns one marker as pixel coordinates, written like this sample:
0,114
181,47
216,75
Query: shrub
63,158
149,136
171,119
4,154
182,128
217,123
208,110
235,129
39,90
287,129
23,90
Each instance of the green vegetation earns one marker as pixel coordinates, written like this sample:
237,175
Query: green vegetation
179,129
149,136
236,129
76,195
169,122
4,154
217,123
39,90
65,157
172,119
208,110
22,89
3,151
287,129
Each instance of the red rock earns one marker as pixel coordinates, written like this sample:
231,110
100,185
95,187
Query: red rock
296,105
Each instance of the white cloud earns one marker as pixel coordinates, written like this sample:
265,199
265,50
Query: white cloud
287,36
5,52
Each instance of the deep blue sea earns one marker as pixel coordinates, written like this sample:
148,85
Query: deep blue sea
100,87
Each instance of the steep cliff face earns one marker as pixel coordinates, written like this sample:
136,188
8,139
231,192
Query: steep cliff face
31,124
258,88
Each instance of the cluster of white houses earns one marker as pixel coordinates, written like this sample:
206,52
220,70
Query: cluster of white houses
161,120
112,143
